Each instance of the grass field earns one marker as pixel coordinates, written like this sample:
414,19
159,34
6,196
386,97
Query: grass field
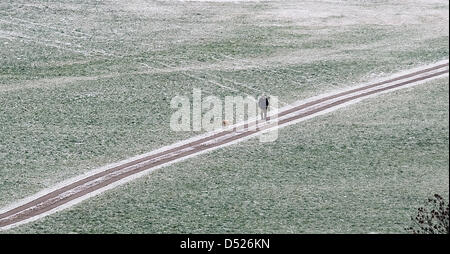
87,83
364,168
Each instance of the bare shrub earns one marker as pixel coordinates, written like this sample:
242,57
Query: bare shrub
432,219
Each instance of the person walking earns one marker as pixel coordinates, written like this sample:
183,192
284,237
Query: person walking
263,105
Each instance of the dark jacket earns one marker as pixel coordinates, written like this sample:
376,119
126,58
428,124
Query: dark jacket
263,102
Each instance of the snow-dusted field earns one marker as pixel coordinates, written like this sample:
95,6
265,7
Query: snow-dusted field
87,83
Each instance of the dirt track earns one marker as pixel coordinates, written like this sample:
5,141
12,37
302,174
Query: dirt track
81,188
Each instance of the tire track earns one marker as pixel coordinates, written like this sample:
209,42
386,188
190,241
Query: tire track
80,189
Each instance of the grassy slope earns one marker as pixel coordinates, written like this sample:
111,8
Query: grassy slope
64,112
364,168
